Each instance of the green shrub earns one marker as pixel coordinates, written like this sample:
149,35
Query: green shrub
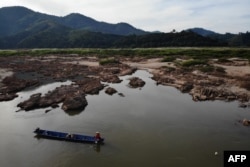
168,59
108,61
193,62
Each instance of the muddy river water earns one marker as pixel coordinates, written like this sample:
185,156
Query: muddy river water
151,126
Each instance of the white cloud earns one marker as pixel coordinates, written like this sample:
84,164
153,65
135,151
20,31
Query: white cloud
164,15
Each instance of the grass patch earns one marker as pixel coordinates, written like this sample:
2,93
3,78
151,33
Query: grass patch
194,53
168,59
210,69
193,62
106,61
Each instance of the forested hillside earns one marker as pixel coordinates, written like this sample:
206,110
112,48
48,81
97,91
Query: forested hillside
23,28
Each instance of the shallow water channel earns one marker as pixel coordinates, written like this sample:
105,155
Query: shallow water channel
151,126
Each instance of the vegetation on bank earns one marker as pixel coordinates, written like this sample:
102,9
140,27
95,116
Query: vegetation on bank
193,62
168,54
111,60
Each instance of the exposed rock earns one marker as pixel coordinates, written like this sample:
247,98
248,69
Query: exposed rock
8,96
54,105
110,78
204,93
50,99
246,122
72,96
77,102
127,71
46,111
110,91
121,94
242,105
113,70
32,103
186,87
11,85
164,80
136,82
243,97
90,85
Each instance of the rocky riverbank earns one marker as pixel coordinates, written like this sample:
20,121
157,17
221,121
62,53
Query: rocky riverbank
27,72
213,81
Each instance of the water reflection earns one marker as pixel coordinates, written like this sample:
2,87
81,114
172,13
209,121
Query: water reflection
74,112
43,89
95,147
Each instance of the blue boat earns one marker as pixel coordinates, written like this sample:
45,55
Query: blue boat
69,136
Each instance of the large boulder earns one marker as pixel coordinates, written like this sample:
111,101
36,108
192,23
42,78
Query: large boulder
246,122
77,102
110,91
90,85
110,78
31,103
136,82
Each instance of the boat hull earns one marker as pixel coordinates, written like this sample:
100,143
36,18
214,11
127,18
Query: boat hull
67,136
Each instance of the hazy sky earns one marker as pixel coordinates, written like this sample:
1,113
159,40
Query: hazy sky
163,15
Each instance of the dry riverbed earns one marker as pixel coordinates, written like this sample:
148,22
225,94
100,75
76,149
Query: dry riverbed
215,80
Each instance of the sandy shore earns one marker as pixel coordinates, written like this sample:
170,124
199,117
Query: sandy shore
5,73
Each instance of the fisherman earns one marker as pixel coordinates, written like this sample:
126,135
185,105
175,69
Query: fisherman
98,136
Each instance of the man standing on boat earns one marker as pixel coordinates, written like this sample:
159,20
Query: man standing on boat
97,136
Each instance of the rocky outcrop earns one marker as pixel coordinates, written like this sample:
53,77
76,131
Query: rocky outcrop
245,122
72,96
110,78
32,103
136,82
204,93
11,85
110,91
127,71
76,102
50,99
7,96
186,87
201,86
90,85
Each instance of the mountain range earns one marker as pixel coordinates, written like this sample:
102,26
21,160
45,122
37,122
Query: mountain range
23,28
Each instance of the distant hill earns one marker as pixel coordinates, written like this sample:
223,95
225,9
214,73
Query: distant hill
23,28
241,39
202,31
24,19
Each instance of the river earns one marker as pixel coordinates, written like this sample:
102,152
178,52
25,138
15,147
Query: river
151,126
